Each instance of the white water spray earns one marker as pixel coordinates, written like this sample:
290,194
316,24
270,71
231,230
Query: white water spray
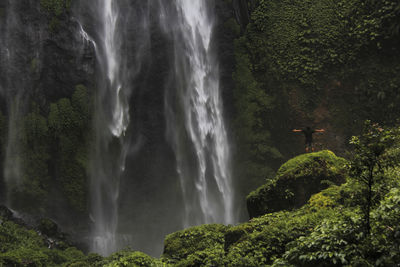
209,198
110,131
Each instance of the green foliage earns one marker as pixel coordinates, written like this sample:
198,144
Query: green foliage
129,258
57,147
342,241
341,56
385,16
255,243
252,133
369,163
306,42
327,231
69,125
334,242
31,193
327,198
265,238
386,229
296,181
197,246
22,247
48,227
347,240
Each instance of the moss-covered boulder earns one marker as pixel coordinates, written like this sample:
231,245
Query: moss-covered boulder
20,246
295,182
197,246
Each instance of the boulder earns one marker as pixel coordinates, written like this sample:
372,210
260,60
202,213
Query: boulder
296,181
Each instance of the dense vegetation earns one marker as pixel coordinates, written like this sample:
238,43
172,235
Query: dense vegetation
328,64
325,63
331,229
21,246
54,155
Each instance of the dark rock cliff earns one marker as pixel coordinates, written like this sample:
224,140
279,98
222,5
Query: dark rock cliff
43,58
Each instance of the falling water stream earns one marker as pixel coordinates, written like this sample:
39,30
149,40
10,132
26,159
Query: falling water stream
206,181
15,86
204,176
111,122
187,120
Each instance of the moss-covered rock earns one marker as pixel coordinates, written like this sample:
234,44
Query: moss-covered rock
296,181
20,246
197,246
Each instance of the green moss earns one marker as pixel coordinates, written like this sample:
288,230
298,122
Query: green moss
327,198
69,123
22,247
315,164
296,181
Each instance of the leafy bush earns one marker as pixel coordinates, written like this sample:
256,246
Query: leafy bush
265,238
386,229
129,258
22,247
197,246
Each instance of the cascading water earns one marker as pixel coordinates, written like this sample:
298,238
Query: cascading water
111,120
15,86
106,175
137,98
195,120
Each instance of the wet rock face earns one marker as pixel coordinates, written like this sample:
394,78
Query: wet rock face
43,56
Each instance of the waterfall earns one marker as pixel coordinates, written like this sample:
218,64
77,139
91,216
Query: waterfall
108,21
193,111
157,123
195,119
111,122
15,87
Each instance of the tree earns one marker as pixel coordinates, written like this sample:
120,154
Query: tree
369,162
